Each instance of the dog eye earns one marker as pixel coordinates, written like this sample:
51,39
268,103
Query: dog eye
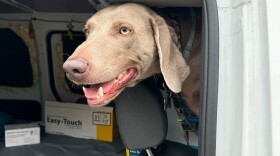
124,30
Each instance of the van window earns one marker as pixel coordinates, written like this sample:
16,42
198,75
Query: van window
69,45
17,57
61,44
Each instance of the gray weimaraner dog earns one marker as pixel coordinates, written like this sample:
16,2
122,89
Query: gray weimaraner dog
126,44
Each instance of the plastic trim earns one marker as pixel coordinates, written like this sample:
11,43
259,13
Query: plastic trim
210,74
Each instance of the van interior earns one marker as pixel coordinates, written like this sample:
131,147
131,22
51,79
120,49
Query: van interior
36,39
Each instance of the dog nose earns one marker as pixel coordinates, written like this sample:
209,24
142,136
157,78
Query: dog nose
75,68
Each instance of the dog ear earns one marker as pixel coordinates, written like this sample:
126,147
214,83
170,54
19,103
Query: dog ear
172,64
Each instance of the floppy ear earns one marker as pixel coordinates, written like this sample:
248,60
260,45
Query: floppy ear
172,64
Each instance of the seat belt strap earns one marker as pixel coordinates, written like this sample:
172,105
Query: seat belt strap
188,48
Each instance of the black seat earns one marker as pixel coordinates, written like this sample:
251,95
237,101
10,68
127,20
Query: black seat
142,122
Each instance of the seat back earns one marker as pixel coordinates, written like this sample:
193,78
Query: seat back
141,118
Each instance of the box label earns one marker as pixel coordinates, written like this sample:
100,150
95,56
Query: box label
101,119
19,137
79,120
63,120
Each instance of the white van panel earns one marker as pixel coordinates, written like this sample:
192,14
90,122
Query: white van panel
247,123
273,22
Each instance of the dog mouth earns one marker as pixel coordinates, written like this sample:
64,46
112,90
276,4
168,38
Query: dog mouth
102,93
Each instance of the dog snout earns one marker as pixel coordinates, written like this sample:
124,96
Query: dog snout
75,69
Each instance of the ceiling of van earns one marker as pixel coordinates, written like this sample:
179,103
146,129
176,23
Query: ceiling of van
59,6
79,6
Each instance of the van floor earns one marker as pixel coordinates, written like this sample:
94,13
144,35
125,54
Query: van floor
65,146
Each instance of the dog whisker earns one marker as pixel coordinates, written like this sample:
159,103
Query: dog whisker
67,55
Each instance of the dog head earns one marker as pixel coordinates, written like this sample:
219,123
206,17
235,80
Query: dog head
124,45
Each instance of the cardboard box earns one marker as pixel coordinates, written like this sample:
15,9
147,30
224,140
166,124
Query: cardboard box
80,120
22,134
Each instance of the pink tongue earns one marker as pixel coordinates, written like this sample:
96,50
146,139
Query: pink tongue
92,92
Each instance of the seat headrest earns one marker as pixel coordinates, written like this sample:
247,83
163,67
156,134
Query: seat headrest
141,118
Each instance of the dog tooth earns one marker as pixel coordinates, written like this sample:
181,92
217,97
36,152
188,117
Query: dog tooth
120,75
101,93
95,98
116,81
